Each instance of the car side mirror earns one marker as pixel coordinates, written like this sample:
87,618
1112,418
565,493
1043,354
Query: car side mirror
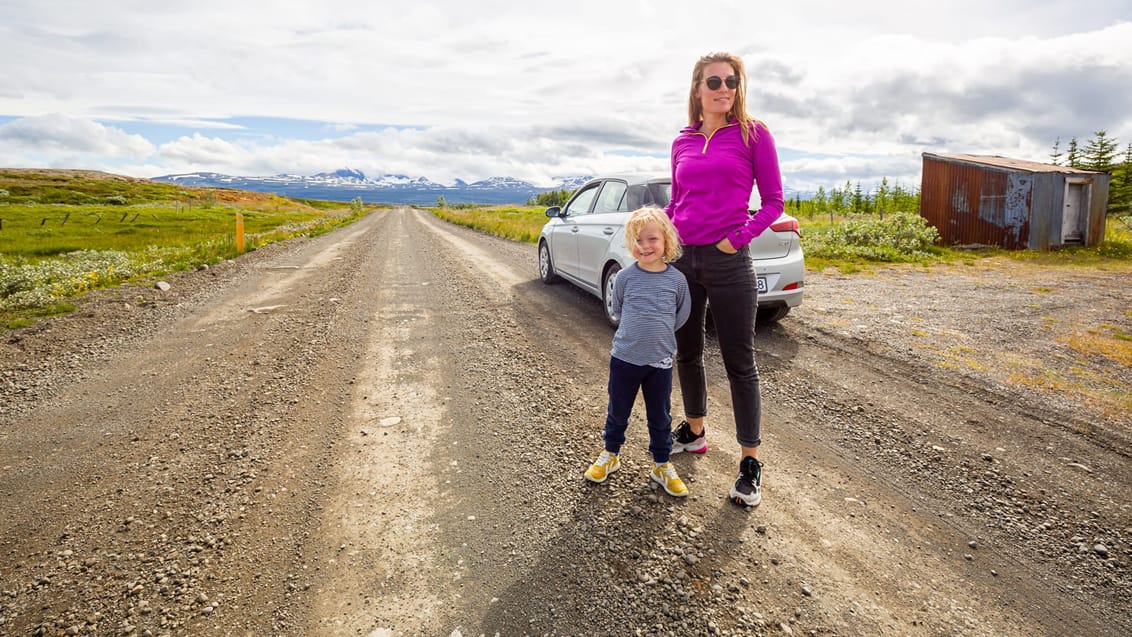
554,211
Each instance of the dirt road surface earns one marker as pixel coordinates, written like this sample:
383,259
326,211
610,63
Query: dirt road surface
382,432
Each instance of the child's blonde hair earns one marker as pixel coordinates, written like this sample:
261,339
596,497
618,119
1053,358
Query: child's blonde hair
640,218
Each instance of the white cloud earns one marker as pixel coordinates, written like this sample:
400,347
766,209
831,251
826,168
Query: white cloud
57,133
537,90
450,154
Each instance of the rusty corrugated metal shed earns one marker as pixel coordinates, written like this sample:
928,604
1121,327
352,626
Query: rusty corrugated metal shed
1012,203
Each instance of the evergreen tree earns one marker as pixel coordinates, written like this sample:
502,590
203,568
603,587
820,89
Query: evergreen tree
1055,155
884,196
550,198
819,201
1073,157
1100,153
1120,188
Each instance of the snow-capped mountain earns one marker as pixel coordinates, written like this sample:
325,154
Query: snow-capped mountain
343,174
346,184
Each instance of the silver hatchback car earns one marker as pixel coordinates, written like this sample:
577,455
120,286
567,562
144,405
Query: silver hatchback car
584,243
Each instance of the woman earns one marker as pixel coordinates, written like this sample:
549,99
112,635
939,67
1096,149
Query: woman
716,160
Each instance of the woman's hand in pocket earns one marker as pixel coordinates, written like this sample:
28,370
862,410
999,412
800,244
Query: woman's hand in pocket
724,246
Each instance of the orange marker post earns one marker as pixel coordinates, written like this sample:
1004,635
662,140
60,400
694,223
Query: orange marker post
239,233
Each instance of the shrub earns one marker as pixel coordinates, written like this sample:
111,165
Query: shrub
25,284
900,237
116,200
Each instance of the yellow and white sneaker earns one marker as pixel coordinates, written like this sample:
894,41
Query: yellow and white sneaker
605,464
665,476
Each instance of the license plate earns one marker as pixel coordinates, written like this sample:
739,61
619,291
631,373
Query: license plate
762,285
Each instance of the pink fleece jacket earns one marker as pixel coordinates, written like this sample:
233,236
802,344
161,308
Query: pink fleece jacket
712,179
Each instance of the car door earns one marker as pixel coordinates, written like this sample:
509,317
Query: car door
564,235
598,228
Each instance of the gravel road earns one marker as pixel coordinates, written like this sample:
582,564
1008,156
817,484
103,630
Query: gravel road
382,432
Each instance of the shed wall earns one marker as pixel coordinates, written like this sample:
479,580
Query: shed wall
976,204
1045,224
1098,208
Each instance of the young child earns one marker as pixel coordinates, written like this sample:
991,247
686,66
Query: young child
653,300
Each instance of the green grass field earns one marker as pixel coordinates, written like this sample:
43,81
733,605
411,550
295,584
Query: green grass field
36,231
64,233
517,223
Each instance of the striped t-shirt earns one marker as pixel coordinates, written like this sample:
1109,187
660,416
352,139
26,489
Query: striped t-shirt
653,305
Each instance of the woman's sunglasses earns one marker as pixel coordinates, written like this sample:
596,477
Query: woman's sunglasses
714,82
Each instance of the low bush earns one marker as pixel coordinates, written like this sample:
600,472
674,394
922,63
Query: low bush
902,237
25,284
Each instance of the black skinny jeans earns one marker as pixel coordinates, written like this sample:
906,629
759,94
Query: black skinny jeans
729,282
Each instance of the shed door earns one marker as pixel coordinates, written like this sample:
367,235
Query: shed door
1076,198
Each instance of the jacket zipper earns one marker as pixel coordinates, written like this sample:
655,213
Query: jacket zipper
708,138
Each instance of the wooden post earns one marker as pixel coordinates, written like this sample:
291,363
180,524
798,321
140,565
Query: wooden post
239,233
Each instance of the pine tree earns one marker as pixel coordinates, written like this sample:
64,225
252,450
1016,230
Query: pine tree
1120,188
1100,153
819,201
883,196
1056,154
1073,157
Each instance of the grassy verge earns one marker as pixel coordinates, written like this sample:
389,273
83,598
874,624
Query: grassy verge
517,223
65,233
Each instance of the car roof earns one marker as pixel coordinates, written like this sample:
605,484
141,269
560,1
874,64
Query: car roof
634,179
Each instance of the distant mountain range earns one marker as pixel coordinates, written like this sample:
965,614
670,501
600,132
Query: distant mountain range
347,184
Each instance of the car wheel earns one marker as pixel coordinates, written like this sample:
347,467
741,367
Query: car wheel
607,295
545,267
772,314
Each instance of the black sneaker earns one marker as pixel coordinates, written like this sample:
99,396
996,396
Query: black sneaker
748,486
683,439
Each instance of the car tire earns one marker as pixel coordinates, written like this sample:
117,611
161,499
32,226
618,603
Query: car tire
607,294
545,265
772,314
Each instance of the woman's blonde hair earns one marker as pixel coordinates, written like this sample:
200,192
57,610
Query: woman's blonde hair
738,107
642,217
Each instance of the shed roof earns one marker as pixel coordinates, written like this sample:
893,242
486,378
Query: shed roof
1014,164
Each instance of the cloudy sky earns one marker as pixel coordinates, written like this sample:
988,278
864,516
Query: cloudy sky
449,89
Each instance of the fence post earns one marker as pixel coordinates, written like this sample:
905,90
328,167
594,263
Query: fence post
239,233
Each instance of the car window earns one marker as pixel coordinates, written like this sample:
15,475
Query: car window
612,197
661,193
580,204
